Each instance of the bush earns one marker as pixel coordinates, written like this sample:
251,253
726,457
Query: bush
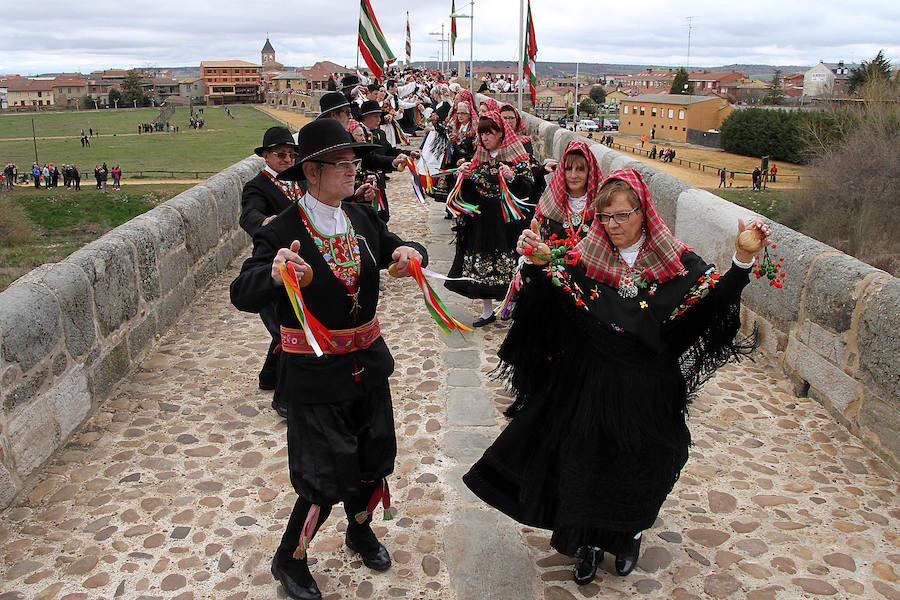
763,132
15,226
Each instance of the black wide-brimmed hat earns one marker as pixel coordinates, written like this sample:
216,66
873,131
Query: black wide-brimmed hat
349,81
370,106
276,136
330,102
321,137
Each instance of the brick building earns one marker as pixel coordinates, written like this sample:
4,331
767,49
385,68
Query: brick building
230,81
671,115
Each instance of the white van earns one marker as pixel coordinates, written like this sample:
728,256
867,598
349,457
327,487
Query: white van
587,125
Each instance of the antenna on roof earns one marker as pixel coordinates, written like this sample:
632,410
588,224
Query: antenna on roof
690,22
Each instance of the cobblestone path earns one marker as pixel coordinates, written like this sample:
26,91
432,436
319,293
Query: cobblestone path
177,487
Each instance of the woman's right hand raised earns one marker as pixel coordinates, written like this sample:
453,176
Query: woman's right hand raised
288,255
530,238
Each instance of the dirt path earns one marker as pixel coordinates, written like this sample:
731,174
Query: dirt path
292,119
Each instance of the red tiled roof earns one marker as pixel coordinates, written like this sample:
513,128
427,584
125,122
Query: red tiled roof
29,85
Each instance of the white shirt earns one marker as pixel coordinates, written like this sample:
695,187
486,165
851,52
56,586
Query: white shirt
630,254
576,205
329,220
270,171
494,153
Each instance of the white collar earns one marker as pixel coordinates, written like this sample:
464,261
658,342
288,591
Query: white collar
329,220
578,202
494,153
270,171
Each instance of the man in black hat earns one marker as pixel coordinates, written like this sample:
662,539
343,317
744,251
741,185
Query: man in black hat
263,198
336,106
349,85
340,429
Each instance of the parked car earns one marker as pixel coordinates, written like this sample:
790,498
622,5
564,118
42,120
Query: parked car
611,124
587,125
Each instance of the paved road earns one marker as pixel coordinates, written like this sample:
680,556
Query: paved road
176,488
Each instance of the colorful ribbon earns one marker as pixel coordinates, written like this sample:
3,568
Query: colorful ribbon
436,308
306,534
310,325
400,134
378,201
512,206
458,206
509,303
418,188
381,494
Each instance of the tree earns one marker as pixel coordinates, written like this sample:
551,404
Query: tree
598,94
776,93
588,107
682,83
132,89
87,101
877,69
115,95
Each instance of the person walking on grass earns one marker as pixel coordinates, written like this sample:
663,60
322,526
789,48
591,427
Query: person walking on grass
45,174
721,178
36,174
117,176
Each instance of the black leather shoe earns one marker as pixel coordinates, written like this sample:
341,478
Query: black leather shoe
281,409
363,541
627,559
586,568
298,583
481,321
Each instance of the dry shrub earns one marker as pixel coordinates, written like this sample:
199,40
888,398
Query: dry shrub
15,226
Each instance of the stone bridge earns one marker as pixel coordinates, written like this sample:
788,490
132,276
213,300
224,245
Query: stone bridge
140,461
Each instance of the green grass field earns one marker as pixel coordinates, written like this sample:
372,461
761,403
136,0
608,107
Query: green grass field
768,203
48,225
222,141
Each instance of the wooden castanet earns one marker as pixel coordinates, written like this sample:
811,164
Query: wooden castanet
750,240
542,250
307,277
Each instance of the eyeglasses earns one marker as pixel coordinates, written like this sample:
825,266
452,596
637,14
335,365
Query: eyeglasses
346,165
620,218
285,155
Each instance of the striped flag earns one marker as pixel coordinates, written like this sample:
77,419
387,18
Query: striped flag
372,45
408,42
452,27
530,54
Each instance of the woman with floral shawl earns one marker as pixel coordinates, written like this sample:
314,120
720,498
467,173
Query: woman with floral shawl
485,241
606,349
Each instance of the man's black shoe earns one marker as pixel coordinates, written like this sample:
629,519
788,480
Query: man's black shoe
482,321
586,568
627,558
298,583
362,540
281,409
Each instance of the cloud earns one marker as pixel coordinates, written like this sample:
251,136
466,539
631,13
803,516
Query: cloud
94,34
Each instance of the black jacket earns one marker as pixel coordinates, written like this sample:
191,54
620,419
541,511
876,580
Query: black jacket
260,199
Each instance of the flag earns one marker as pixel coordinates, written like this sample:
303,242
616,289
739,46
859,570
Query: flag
452,27
372,45
408,43
530,54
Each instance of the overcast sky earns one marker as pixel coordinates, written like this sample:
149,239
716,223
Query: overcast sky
95,34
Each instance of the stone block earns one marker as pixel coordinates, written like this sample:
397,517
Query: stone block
169,308
539,139
607,160
600,151
831,291
829,381
141,336
168,226
8,489
878,338
246,169
201,221
454,477
26,390
109,264
547,136
33,435
830,346
69,401
782,306
463,378
880,423
205,271
771,339
486,557
469,406
665,190
71,287
464,359
619,162
464,446
561,139
109,370
173,269
146,245
647,172
29,323
709,224
224,191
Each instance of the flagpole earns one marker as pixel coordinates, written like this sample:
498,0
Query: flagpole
521,52
472,46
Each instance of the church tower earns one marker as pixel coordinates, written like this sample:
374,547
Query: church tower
268,54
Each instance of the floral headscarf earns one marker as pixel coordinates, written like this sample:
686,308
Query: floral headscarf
659,259
511,149
554,202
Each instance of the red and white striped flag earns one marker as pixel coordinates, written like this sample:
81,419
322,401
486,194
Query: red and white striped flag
530,54
408,42
372,45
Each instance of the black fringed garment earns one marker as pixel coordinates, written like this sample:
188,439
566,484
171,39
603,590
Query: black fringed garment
598,436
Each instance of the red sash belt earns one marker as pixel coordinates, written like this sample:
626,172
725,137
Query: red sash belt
343,340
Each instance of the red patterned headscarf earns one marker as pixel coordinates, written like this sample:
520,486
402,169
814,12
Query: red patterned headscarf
554,202
660,256
511,149
467,97
520,122
493,105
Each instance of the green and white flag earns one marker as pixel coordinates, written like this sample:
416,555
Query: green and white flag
372,45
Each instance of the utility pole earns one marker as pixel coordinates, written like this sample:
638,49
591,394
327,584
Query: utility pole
575,120
519,70
690,22
34,139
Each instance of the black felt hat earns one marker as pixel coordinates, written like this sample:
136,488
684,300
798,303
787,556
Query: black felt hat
276,136
370,106
331,102
349,80
319,138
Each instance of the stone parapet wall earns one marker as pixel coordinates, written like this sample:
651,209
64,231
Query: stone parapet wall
70,331
834,325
